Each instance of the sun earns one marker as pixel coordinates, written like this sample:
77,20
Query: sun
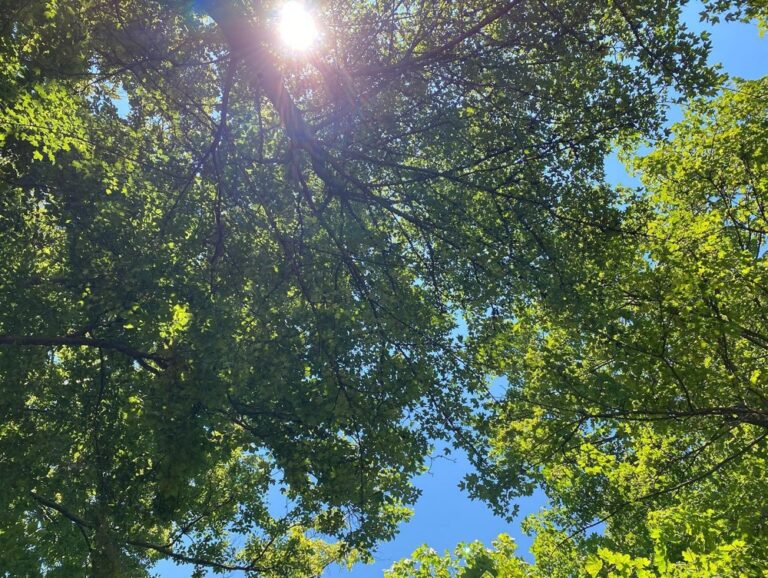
296,26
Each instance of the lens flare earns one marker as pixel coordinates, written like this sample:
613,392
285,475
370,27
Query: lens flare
296,26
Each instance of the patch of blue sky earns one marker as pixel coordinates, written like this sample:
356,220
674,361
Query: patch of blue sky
445,516
736,47
121,102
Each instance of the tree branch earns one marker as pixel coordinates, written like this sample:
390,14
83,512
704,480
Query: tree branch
141,357
496,14
48,503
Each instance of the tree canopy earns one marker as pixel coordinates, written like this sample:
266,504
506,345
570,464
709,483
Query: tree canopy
637,400
230,271
478,561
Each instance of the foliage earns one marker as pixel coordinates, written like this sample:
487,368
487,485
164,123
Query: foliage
228,271
469,561
556,560
637,395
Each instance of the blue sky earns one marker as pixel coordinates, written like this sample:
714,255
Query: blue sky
445,516
736,46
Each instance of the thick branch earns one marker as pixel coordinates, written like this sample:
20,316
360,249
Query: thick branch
245,40
165,550
80,341
48,503
735,414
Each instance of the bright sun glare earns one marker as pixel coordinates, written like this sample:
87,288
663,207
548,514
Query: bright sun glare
296,26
